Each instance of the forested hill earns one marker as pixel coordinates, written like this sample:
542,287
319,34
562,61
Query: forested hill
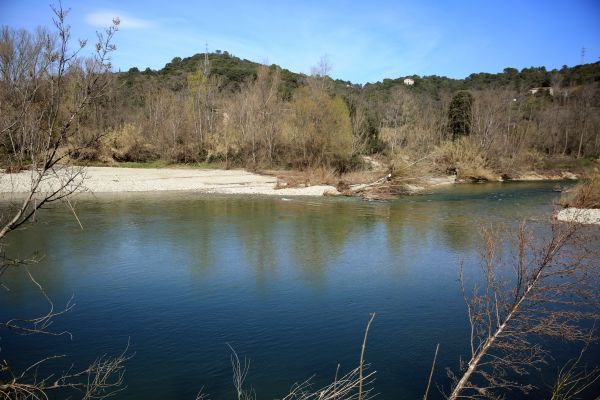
233,71
510,78
485,122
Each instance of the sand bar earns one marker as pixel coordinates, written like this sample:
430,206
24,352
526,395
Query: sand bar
114,179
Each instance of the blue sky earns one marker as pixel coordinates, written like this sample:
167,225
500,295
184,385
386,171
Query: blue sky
365,41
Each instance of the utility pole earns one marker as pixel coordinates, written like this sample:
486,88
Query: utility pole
582,55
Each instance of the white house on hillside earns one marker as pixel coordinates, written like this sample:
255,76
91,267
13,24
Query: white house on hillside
409,82
548,90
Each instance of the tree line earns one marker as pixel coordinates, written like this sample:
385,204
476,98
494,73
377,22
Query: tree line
218,108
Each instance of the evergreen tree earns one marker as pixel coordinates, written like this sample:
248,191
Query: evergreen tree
460,114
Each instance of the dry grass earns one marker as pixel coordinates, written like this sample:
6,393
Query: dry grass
584,195
465,158
357,177
125,144
522,162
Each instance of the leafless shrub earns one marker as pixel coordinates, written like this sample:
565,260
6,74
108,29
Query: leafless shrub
346,387
354,385
547,289
101,380
39,324
466,158
585,194
201,395
240,371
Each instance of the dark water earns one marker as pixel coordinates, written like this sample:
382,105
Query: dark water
288,283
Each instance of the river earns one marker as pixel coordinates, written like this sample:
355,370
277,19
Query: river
288,283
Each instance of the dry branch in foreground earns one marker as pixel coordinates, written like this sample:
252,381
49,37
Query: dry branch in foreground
549,288
45,89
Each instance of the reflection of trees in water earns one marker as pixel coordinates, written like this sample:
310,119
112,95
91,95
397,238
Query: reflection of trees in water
308,233
457,230
319,234
202,233
50,240
211,234
180,232
256,226
406,230
412,225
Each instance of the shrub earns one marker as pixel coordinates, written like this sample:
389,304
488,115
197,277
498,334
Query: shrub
126,144
584,195
465,158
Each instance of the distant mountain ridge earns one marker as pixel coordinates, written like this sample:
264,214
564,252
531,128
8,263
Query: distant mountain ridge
234,71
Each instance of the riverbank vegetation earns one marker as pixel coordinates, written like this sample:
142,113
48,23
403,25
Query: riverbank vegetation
584,195
218,109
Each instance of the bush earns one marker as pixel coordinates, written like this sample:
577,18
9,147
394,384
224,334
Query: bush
85,153
584,195
464,158
138,152
343,165
523,161
126,144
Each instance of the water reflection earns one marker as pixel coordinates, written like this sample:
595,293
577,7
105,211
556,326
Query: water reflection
286,280
210,234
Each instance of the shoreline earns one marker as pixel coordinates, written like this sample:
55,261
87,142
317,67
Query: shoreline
213,181
122,180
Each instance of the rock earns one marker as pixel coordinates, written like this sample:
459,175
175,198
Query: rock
580,215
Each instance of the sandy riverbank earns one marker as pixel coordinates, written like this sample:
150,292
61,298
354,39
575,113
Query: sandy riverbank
111,179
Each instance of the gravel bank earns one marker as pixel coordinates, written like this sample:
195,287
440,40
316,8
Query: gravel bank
110,180
579,215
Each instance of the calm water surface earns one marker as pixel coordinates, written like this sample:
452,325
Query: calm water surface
289,283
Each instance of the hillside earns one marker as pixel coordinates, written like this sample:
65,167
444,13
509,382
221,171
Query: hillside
235,71
232,70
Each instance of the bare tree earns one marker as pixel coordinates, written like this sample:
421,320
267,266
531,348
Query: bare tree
269,109
42,119
319,73
45,87
547,289
203,98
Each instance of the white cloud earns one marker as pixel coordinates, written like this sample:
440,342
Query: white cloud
102,19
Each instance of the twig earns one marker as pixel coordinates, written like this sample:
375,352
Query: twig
362,354
437,347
